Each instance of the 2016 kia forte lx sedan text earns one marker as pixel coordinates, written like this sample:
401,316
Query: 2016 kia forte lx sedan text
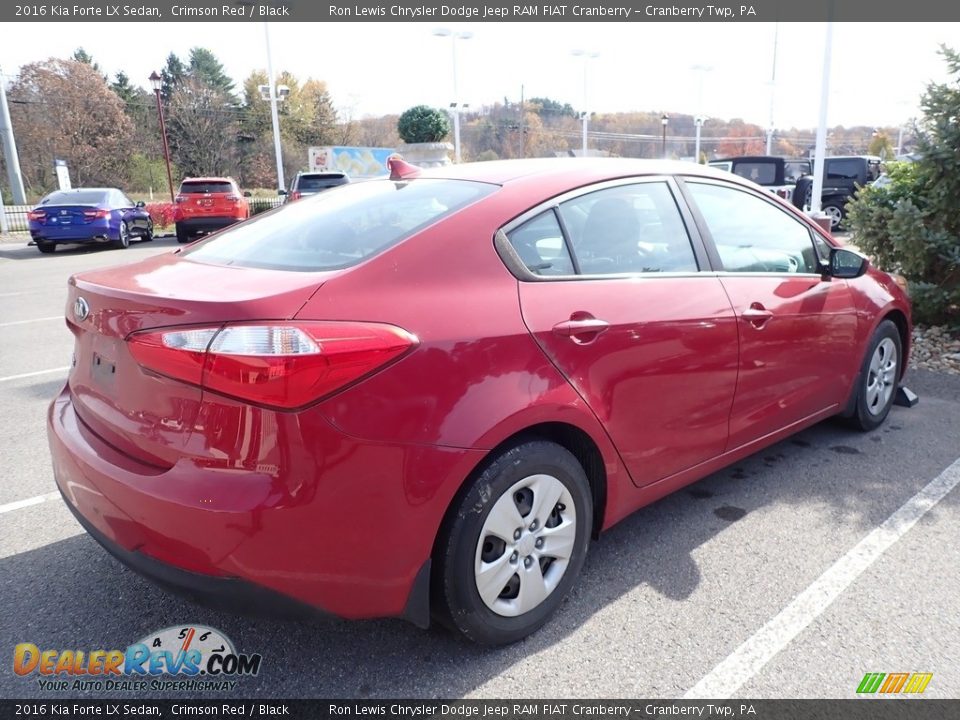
423,395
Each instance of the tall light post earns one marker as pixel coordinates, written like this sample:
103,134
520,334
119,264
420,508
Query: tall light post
773,87
455,105
157,82
664,120
821,146
587,56
698,120
274,116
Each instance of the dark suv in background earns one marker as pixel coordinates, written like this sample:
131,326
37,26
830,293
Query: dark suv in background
778,175
844,175
311,183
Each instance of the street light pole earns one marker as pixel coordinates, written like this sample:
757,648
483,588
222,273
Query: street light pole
664,119
773,87
156,82
820,152
10,148
698,120
455,105
274,116
585,114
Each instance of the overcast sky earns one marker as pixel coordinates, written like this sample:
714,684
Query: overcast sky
879,70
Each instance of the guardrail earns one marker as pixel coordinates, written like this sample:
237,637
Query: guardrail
16,217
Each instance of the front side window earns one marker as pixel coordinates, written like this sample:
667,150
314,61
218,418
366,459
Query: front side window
628,229
338,229
753,235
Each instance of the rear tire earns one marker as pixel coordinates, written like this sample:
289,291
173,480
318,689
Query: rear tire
182,235
513,544
46,247
835,213
123,240
878,379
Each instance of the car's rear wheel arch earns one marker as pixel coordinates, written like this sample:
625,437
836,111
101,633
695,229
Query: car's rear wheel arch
571,438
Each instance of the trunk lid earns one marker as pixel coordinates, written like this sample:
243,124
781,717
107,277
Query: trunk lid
143,414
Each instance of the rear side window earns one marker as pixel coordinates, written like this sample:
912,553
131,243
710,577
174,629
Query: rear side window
628,229
206,187
337,230
844,169
80,197
539,243
762,173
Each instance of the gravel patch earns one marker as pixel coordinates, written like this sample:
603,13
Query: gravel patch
935,348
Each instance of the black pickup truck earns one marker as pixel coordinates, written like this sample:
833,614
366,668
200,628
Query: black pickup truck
843,177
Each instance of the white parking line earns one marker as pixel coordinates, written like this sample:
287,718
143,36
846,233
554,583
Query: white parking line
24,322
748,659
34,374
10,507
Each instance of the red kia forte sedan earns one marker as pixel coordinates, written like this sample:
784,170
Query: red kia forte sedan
422,396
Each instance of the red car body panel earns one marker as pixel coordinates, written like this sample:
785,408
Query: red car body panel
338,504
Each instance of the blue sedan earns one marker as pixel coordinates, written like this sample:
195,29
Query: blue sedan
88,215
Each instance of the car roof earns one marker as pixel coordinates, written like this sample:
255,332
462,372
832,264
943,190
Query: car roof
207,179
503,172
305,173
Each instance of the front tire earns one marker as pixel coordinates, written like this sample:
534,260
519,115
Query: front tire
513,544
148,235
879,375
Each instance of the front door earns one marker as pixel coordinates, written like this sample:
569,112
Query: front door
797,330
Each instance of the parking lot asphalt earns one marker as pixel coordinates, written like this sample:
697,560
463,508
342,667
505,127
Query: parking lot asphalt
671,599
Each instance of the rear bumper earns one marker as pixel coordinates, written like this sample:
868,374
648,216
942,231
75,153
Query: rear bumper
231,594
97,231
206,224
353,541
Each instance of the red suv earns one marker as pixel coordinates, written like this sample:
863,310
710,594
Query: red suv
207,204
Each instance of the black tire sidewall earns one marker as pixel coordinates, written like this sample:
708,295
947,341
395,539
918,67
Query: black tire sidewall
456,586
865,419
182,235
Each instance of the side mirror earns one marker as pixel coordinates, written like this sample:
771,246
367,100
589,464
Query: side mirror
847,264
281,192
141,203
247,193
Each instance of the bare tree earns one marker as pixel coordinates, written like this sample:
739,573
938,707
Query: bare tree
203,128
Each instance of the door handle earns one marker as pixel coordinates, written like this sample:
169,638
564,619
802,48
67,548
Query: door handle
581,330
757,315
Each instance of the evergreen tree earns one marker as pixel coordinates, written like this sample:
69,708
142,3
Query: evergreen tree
205,67
173,75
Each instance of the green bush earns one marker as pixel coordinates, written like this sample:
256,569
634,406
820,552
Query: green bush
912,225
423,124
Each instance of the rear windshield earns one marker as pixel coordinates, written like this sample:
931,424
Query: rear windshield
78,197
206,187
340,228
320,182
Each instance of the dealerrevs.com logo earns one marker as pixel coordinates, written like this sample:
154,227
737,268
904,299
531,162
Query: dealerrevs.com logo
182,658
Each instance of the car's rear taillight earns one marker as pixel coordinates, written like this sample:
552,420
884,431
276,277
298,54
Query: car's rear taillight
281,365
94,214
179,199
295,195
233,198
36,215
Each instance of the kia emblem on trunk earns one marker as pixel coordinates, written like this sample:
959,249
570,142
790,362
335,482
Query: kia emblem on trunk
80,309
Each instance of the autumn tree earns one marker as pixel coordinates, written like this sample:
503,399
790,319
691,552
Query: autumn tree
742,139
64,109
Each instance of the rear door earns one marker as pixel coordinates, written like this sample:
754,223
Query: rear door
613,294
797,330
